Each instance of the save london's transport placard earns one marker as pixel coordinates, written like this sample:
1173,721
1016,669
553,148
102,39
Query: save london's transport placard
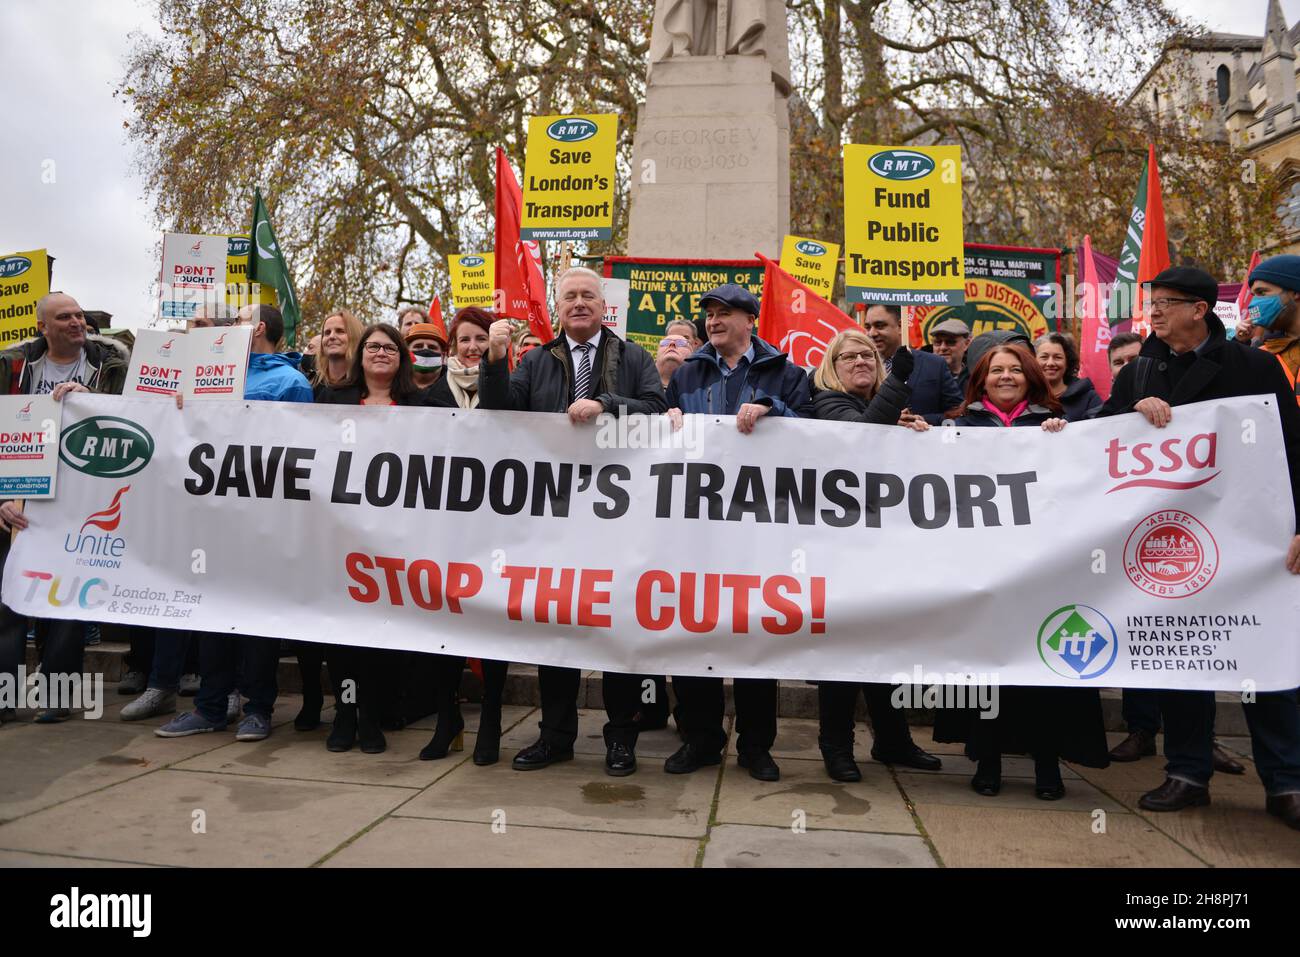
1007,287
662,290
568,190
1107,554
903,225
472,276
24,279
813,263
29,445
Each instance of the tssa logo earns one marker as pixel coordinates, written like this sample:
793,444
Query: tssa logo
469,262
106,446
103,546
1077,641
573,129
11,266
1185,464
810,248
237,246
901,164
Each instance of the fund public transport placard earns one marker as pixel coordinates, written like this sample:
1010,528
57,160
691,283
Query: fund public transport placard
568,190
903,225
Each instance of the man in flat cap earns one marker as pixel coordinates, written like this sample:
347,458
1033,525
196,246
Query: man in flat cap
1190,359
734,373
949,340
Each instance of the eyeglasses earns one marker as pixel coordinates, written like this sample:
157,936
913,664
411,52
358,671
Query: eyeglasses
853,357
374,348
1164,303
674,341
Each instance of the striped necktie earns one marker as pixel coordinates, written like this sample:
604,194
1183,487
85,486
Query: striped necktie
582,378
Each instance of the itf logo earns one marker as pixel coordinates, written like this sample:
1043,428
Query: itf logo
1078,641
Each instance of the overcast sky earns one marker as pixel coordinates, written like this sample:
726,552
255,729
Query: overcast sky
60,61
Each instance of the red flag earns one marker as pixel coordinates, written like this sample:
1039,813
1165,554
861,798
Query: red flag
521,289
915,338
435,317
1155,242
795,319
1244,297
1094,358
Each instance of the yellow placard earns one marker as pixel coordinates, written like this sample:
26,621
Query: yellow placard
903,226
472,278
24,279
238,293
812,262
568,189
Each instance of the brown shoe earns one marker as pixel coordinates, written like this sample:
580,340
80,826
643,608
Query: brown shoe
1174,795
1139,744
1224,763
1285,806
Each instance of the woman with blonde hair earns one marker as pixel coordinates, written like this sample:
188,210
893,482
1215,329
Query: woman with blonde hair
850,385
339,336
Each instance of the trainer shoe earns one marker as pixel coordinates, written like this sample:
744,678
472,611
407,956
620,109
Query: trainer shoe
153,702
254,727
191,722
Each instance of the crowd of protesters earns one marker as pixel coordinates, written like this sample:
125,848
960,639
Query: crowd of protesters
720,366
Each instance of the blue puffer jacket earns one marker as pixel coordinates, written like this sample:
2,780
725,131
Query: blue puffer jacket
770,380
274,377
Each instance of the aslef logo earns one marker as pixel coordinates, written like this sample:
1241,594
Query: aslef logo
1175,464
106,446
1171,554
1077,641
75,910
100,549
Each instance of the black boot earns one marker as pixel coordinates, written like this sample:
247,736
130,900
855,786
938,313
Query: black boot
344,732
369,735
1048,785
313,699
840,764
988,776
487,744
448,736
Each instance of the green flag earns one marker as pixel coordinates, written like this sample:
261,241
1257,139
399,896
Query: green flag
266,265
1123,299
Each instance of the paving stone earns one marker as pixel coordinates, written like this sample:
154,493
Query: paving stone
413,842
926,787
250,822
739,845
32,859
873,804
573,794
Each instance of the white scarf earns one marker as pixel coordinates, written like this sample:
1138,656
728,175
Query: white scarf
463,383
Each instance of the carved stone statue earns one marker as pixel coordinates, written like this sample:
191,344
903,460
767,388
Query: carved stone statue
723,27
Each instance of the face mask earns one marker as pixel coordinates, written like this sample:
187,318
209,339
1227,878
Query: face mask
426,360
1264,310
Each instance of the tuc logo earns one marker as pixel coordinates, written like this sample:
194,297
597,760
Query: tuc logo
901,164
78,592
106,446
1077,641
573,129
1173,464
1171,554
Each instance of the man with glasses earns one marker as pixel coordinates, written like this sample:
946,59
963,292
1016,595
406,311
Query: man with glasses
1190,359
679,341
62,358
949,340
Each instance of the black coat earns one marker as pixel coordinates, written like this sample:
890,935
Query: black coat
1080,400
1065,722
934,390
626,379
884,409
1223,369
351,395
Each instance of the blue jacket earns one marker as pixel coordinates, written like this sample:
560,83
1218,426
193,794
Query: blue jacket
770,380
934,390
274,377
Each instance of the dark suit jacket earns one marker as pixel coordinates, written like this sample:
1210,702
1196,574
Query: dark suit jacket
934,390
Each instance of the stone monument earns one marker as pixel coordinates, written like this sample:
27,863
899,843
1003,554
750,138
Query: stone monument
711,155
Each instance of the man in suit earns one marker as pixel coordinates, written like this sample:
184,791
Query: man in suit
934,390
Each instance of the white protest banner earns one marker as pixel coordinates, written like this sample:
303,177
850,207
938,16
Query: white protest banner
209,363
193,272
617,293
1107,554
29,445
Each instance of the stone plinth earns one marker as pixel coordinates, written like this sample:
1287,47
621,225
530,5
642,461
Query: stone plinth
710,161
